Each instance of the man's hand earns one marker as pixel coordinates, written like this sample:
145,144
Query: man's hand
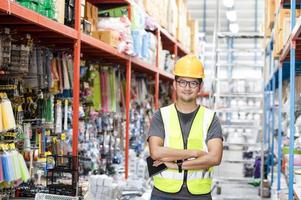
157,163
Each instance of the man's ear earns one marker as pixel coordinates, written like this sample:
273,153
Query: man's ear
201,90
201,86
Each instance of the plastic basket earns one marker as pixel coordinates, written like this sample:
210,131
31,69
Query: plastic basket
43,196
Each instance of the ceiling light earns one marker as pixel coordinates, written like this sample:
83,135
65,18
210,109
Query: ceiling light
234,28
231,15
228,3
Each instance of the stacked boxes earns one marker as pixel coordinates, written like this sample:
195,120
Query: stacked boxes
60,11
282,30
91,15
110,37
194,27
172,17
269,16
182,20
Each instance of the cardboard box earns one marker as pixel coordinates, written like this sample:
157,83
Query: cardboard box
283,14
282,30
194,43
182,19
108,36
163,13
91,14
194,26
172,17
60,11
270,13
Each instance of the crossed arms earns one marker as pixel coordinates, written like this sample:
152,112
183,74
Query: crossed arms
197,159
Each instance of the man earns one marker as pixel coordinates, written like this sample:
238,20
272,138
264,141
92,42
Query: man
186,137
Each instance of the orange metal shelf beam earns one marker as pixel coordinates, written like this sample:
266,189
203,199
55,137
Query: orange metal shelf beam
109,1
145,67
14,9
180,48
166,75
168,35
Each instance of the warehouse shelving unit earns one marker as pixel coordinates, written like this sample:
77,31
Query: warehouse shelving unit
54,34
287,68
233,151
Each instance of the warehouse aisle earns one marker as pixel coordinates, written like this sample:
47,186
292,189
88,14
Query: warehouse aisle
243,190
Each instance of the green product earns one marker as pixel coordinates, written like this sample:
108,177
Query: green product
96,91
114,12
50,14
41,9
35,1
113,89
30,5
49,4
285,150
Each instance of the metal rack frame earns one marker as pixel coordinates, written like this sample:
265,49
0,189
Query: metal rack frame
287,69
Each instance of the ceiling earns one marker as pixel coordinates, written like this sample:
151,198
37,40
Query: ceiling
247,10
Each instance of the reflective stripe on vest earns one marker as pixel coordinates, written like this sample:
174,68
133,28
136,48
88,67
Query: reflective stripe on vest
198,181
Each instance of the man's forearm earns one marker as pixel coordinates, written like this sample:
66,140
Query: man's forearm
202,162
166,154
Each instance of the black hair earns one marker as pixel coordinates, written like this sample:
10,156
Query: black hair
199,79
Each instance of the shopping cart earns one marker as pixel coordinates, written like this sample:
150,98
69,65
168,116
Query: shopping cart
43,196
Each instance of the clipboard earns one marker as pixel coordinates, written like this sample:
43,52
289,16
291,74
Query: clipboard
152,170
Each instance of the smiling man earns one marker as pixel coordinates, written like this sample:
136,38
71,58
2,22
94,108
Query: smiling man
186,137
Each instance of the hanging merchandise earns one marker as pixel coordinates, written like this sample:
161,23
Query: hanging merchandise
58,117
5,39
13,166
34,109
165,91
141,111
8,119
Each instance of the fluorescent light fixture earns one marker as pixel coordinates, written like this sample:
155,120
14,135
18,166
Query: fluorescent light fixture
231,15
234,28
228,3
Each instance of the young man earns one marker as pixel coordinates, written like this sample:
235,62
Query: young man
186,137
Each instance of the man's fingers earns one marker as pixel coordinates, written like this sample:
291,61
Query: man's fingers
157,163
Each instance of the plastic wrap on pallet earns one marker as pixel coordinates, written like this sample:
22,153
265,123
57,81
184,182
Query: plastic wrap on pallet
121,25
103,187
137,17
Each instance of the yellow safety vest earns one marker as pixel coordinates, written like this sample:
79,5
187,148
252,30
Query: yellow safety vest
198,181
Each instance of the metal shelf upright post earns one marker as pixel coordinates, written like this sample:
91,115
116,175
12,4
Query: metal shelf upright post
273,125
292,103
279,129
76,80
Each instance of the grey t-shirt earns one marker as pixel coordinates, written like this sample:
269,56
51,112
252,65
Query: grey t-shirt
186,119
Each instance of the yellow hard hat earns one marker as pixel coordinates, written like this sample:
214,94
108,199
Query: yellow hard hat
189,66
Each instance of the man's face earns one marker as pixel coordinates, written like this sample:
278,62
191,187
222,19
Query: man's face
187,89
